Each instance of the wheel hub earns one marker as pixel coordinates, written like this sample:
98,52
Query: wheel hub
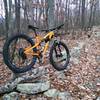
22,54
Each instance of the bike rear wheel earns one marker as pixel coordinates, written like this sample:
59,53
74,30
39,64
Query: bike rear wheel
59,56
14,56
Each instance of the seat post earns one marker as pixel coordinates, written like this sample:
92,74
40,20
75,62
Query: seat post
35,32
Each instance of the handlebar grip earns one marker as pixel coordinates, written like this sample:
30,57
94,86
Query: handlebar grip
29,26
60,26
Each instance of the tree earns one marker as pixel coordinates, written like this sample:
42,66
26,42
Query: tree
50,4
6,17
17,14
83,14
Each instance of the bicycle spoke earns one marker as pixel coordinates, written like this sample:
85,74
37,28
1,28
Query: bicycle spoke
14,51
59,55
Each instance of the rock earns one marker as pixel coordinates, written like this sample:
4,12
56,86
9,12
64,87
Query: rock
11,96
54,93
60,75
98,69
90,86
97,59
75,52
97,34
97,82
36,73
65,96
33,88
51,93
57,94
80,86
74,60
98,98
81,44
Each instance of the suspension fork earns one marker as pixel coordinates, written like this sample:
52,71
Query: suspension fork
43,60
57,43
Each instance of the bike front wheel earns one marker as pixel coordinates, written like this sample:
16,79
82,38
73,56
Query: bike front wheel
59,56
14,56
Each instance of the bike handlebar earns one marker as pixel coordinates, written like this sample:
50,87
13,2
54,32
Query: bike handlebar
47,30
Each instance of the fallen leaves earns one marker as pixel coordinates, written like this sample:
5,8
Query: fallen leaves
80,77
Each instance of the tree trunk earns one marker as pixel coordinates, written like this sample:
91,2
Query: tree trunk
6,18
83,14
17,14
10,16
50,4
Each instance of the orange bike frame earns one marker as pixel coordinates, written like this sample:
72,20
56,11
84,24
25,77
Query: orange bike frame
39,39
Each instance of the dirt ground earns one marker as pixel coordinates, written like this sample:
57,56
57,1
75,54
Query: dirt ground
82,78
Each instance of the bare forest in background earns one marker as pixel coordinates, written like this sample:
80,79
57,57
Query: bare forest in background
15,15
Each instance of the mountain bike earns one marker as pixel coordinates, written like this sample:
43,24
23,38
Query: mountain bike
20,52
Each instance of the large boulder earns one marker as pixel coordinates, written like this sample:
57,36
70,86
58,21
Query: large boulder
11,96
33,88
98,98
56,94
76,52
51,93
60,75
65,96
97,34
97,58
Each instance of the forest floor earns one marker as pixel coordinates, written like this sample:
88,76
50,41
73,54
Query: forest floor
82,78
